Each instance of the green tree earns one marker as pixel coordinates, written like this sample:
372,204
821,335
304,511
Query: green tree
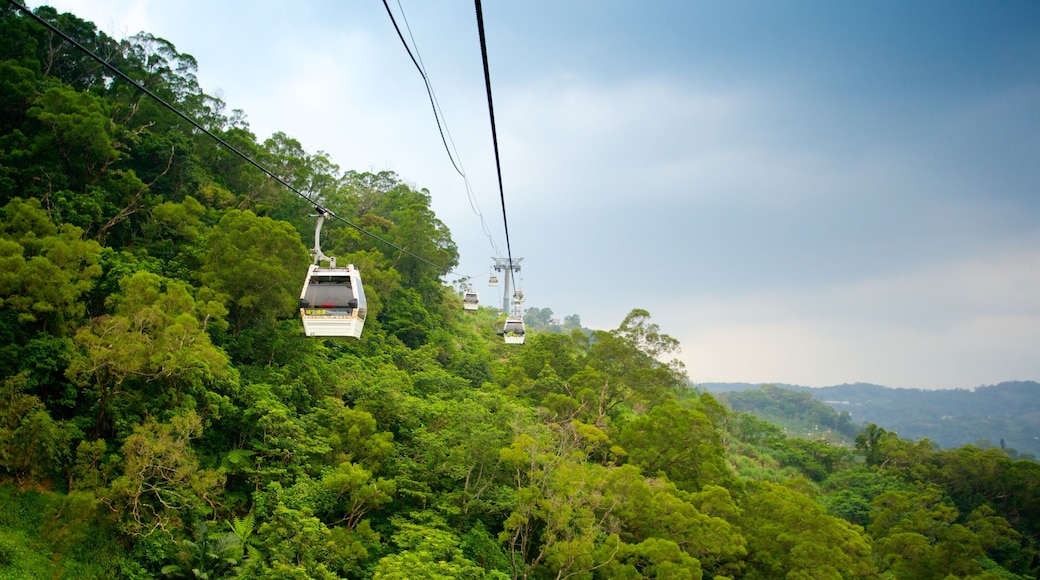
849,492
907,457
417,230
558,351
352,492
562,518
538,319
162,482
457,449
45,270
295,544
405,316
426,549
678,442
815,459
917,536
790,536
629,359
153,354
352,435
652,558
17,92
32,444
282,441
258,263
571,323
701,524
59,58
313,175
209,555
869,444
77,130
174,231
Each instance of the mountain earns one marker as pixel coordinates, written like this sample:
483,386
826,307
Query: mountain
1006,414
795,411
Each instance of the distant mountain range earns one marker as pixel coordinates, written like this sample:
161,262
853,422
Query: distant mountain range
1007,414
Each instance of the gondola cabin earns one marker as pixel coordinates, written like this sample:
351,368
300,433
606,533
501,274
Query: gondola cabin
493,280
470,301
333,302
513,331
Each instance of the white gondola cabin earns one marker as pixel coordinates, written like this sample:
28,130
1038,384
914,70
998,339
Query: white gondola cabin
513,331
470,301
332,302
493,280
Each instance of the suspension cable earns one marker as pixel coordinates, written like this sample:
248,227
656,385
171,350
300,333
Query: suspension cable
494,134
215,137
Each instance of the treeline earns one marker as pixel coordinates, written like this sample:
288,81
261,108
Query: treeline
163,417
799,411
1006,415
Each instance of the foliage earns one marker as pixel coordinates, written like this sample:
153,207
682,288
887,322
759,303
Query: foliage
797,411
789,535
676,442
161,480
163,417
1002,415
45,534
255,262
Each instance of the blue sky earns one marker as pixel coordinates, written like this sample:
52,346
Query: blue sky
801,192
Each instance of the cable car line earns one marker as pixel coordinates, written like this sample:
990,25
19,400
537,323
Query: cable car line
456,161
319,208
494,132
513,330
470,196
429,91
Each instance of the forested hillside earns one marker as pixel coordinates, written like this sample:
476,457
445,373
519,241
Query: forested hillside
797,411
1005,415
163,417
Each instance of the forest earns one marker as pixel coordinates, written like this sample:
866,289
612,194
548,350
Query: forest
797,412
163,417
1006,415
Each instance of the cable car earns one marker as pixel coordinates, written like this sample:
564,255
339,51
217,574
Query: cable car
470,301
493,280
513,331
332,302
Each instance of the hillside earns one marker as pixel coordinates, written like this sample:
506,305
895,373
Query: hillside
164,417
797,412
1005,415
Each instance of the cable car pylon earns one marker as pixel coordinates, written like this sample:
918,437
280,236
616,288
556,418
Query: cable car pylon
509,267
513,330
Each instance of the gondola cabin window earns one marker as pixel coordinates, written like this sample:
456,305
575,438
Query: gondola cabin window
513,331
330,292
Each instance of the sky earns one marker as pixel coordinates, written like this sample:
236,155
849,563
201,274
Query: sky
803,192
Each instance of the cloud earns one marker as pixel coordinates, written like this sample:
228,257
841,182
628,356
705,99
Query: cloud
569,140
960,324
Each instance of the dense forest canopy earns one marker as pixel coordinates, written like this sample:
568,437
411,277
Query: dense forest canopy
163,417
